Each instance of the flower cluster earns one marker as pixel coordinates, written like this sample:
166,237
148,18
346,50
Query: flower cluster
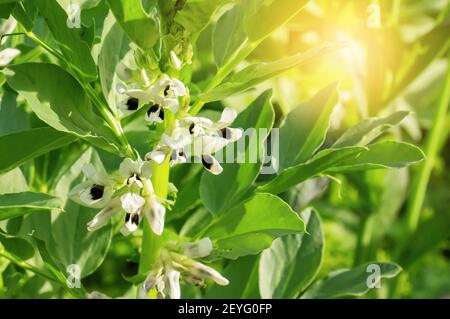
177,263
131,192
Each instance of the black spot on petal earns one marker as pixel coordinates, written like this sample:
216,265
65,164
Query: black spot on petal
191,128
161,114
127,217
166,91
225,133
135,219
153,109
97,191
207,161
132,104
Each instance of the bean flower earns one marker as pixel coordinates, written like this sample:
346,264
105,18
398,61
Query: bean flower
178,263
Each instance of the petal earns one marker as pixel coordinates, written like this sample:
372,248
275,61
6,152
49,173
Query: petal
141,95
202,271
7,55
128,167
176,62
211,164
132,203
155,213
170,104
211,144
173,282
199,249
178,87
131,223
158,156
102,218
228,116
231,134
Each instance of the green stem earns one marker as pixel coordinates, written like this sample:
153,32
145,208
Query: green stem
224,72
421,178
364,242
419,184
151,243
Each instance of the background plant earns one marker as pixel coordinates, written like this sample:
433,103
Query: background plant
344,147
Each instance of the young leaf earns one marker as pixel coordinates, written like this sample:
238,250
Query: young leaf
293,261
252,226
260,72
271,15
385,154
369,129
197,14
239,177
351,282
322,161
305,128
18,204
137,24
75,50
32,143
229,35
59,100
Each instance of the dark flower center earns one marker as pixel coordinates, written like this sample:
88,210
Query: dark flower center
132,104
97,191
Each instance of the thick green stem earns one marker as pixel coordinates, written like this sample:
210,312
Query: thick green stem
152,243
364,243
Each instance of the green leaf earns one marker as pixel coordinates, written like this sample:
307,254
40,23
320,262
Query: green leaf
418,56
65,235
17,246
428,235
197,14
293,261
32,143
243,276
297,174
385,154
260,72
229,35
271,15
5,9
305,128
18,204
114,46
59,100
13,182
137,24
252,226
369,129
75,50
350,282
239,177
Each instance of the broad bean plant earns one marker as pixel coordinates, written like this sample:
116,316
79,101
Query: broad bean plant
128,170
